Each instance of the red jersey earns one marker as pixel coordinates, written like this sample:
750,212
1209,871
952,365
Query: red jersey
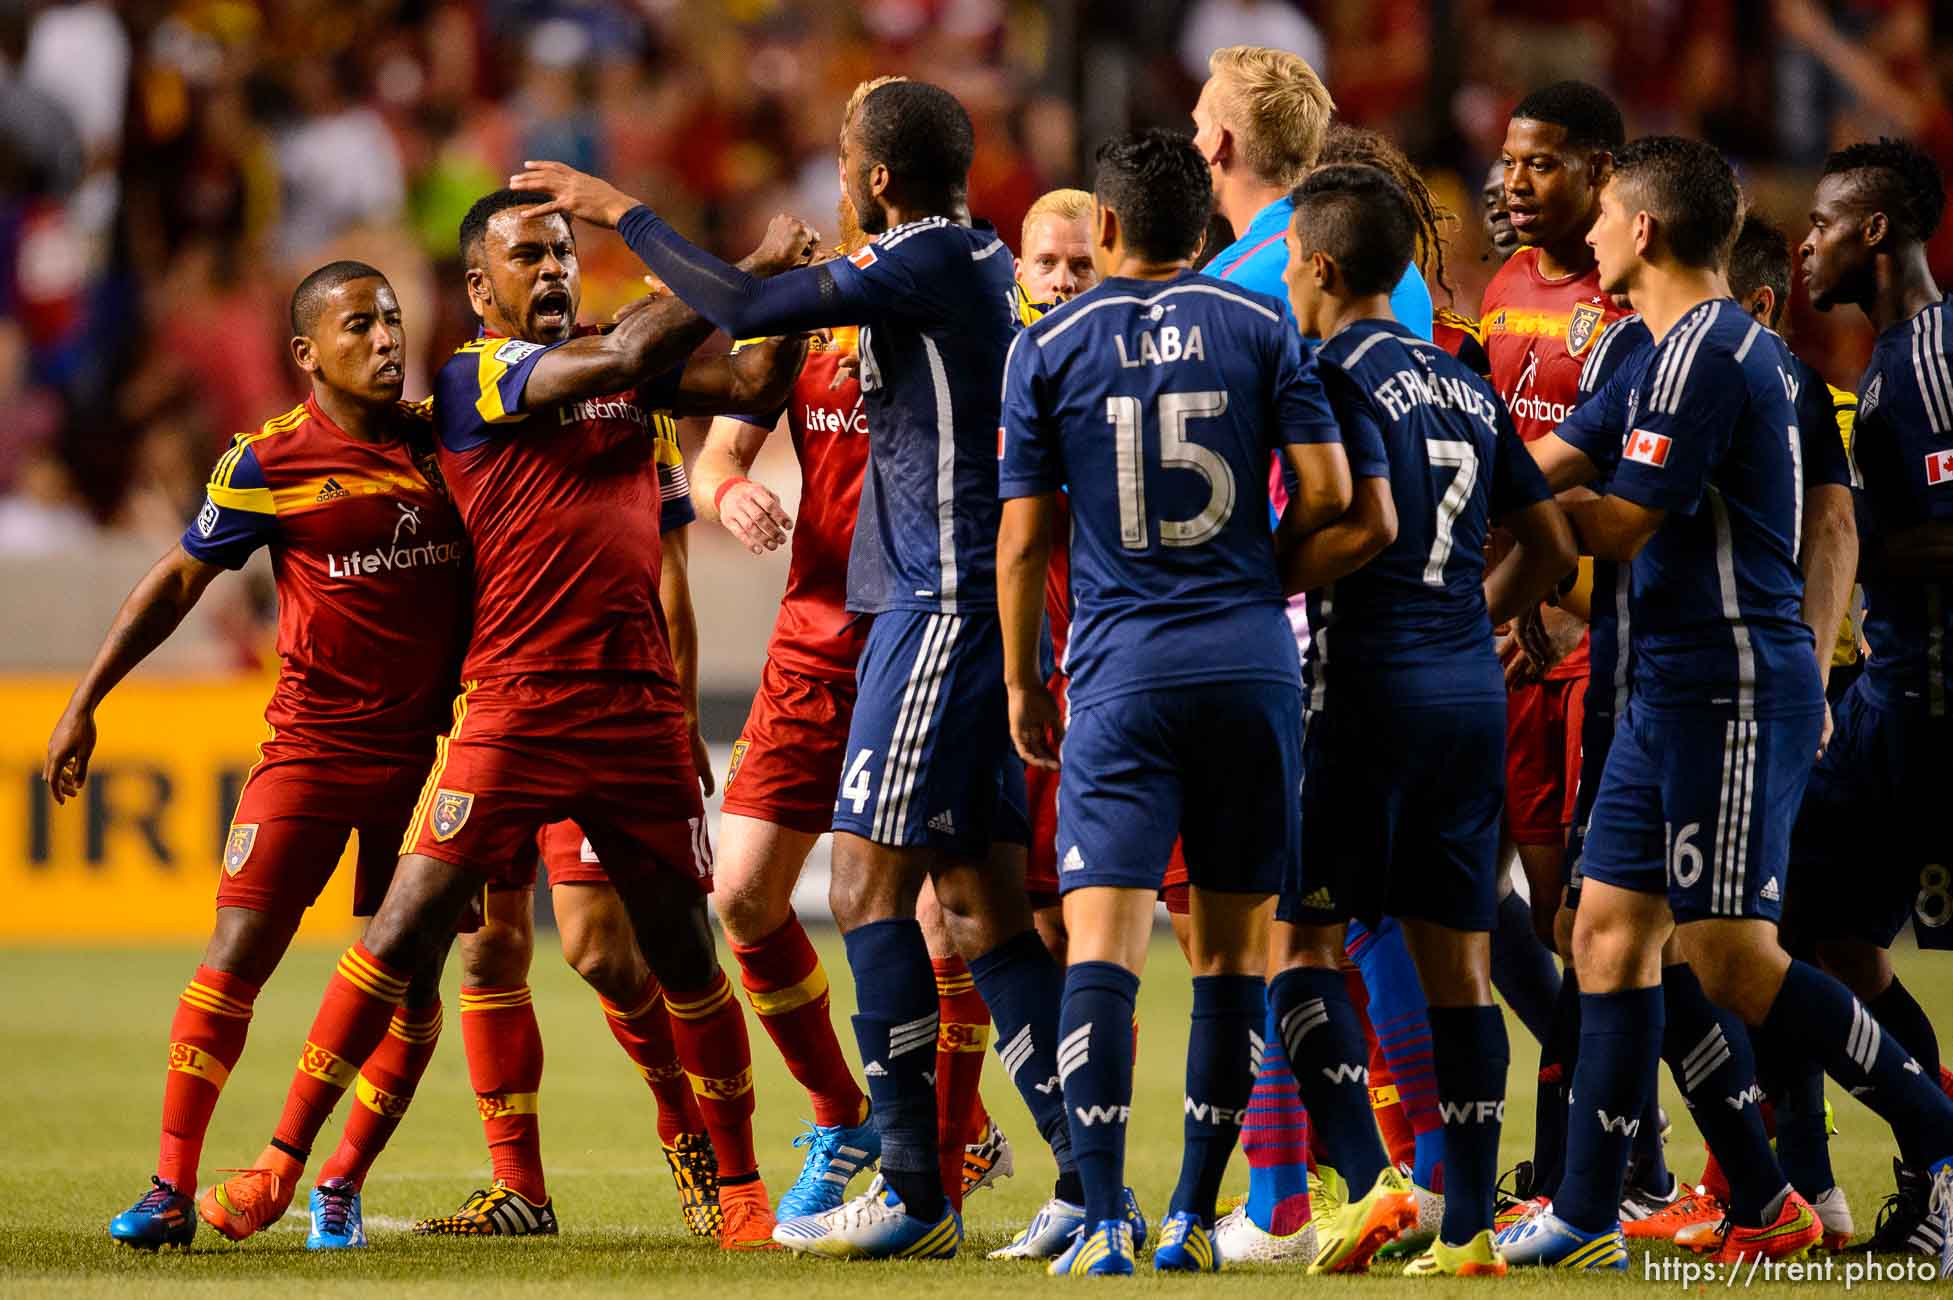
1537,332
562,510
371,565
814,634
1459,335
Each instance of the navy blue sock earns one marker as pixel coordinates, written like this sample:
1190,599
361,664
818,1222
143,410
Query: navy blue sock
1523,969
1325,1048
1818,1016
1472,1058
1095,1070
1708,1052
1902,1017
1556,1061
1620,1039
895,1027
1023,987
1223,1051
1795,1085
1647,1154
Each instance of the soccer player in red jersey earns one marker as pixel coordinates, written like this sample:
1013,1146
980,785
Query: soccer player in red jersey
570,705
371,569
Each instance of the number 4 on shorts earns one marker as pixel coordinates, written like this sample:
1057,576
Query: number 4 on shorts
854,783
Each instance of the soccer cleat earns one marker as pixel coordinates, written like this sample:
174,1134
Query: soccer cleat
695,1171
1185,1246
498,1211
1516,1212
336,1220
1129,1202
1906,1223
1051,1229
874,1225
1548,1241
1516,1198
1238,1239
986,1161
1476,1258
746,1217
251,1200
1327,1191
834,1156
1681,1215
1639,1202
1348,1241
1942,1212
161,1216
1106,1251
1430,1217
1788,1236
1834,1213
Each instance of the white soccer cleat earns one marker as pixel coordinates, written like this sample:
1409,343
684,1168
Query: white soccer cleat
1240,1240
1047,1235
874,1225
1835,1214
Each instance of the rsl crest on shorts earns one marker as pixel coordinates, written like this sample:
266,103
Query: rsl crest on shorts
450,812
237,847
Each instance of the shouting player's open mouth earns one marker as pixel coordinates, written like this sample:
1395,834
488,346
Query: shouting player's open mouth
551,310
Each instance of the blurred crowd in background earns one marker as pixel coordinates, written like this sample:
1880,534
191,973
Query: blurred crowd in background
169,168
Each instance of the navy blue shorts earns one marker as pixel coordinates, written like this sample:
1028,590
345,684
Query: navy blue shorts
929,758
1596,738
1401,806
1869,850
1699,808
1218,766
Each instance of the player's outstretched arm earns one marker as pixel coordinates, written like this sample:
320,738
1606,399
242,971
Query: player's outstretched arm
1542,554
1344,545
752,381
153,610
721,492
1037,728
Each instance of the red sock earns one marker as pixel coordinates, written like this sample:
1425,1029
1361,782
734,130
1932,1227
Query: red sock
1399,1138
505,1065
353,1017
710,1033
213,1014
962,1033
787,987
383,1090
1714,1182
643,1030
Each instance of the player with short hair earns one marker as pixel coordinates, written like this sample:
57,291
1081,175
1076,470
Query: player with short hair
1398,609
937,304
1501,240
371,567
1054,254
1179,652
1691,825
570,705
1876,205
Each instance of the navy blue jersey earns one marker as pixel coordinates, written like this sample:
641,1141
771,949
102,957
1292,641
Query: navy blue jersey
1903,452
1414,414
1712,440
1157,405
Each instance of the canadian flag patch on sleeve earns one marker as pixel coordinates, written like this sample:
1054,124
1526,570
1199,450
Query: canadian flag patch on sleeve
1648,448
1939,467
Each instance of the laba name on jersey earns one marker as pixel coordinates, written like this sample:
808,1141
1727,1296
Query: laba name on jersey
1169,347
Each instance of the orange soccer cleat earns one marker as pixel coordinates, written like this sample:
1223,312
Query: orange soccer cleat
251,1200
1795,1230
1676,1217
747,1217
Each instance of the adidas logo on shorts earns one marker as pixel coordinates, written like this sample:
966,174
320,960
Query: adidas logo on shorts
1770,893
874,1070
943,822
1074,861
1319,899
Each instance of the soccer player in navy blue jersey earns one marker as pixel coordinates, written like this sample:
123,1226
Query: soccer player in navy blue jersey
1156,400
1691,825
1875,207
931,787
1406,720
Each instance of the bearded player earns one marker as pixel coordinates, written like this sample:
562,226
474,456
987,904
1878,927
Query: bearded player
570,705
372,578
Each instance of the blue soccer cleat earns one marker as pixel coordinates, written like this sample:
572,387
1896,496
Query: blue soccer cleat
1136,1219
336,1220
1051,1229
1548,1241
834,1156
874,1225
1105,1251
1185,1246
161,1216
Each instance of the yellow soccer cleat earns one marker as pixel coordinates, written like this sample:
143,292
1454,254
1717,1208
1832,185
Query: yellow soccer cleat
1359,1229
695,1172
1476,1258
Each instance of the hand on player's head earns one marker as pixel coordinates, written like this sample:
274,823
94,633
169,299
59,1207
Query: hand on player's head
563,189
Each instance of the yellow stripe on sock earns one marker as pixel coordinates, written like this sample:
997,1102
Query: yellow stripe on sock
188,1058
378,1100
494,1105
954,1036
204,998
660,1073
702,1006
778,1002
1384,1096
653,995
495,999
951,985
326,1066
408,1031
727,1089
368,978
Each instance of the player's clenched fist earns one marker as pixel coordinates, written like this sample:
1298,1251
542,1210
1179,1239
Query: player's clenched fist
1037,728
752,513
789,242
564,189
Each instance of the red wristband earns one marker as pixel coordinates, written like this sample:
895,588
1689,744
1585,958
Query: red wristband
726,487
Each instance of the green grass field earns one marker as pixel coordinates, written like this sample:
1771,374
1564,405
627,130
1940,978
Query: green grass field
81,1042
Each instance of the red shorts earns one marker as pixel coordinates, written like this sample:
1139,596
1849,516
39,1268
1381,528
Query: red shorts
786,766
570,859
1173,886
291,825
1542,759
612,755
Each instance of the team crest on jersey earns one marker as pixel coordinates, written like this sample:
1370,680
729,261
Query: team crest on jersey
739,748
237,848
1583,327
450,812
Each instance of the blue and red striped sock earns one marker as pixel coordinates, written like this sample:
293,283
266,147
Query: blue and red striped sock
1403,1029
1275,1140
